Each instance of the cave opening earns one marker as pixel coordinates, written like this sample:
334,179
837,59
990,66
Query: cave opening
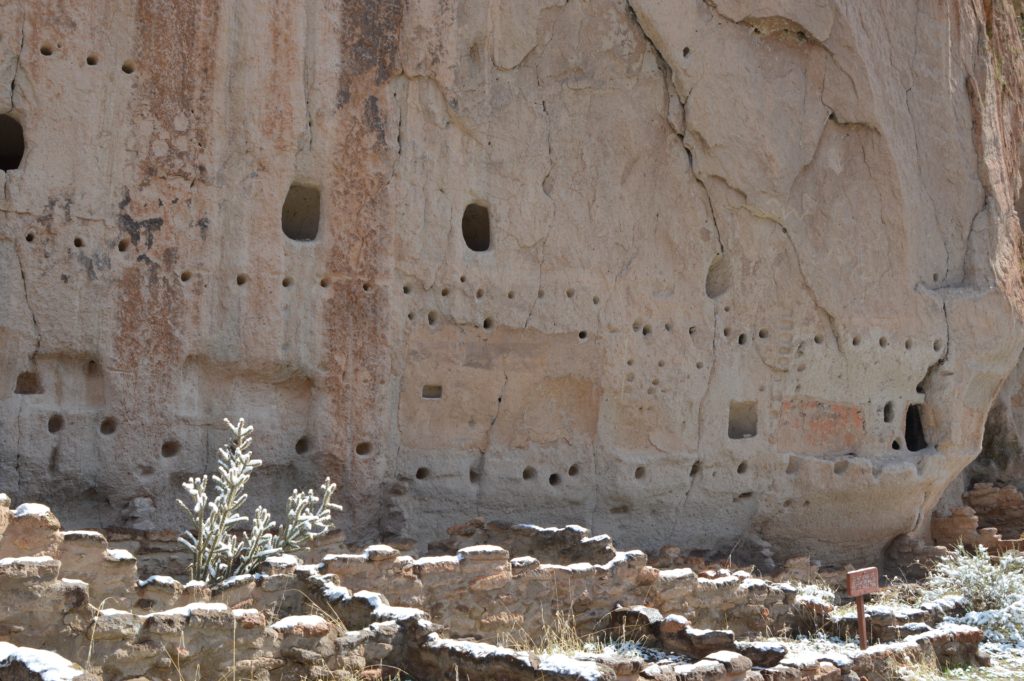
914,433
12,143
476,227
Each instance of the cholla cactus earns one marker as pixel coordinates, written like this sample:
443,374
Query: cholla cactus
218,551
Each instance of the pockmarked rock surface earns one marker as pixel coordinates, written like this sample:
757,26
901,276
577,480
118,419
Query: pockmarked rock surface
689,272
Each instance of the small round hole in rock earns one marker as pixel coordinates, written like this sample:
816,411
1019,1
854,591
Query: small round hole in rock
241,279
55,424
122,245
574,470
128,67
742,468
763,333
364,448
639,473
856,340
406,290
474,475
30,237
883,342
583,335
529,473
695,469
422,473
569,293
554,479
819,339
366,287
646,330
488,323
302,445
92,60
742,340
286,282
908,344
108,425
325,282
431,318
78,242
170,448
186,275
46,50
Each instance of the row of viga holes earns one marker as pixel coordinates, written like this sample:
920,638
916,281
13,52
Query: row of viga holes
644,329
29,383
530,473
555,479
92,59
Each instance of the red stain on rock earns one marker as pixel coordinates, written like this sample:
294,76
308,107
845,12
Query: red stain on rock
813,427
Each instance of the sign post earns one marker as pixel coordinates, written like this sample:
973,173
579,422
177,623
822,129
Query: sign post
858,584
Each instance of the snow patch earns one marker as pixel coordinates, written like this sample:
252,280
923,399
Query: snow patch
119,555
161,580
30,509
49,665
305,621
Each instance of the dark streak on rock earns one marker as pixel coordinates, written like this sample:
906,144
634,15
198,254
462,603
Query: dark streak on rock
373,119
136,228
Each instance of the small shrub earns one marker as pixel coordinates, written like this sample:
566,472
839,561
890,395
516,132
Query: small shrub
218,549
987,584
993,588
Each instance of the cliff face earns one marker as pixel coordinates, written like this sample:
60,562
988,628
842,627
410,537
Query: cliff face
684,271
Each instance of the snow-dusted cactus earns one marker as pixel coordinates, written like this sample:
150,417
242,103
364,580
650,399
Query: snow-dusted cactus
219,549
309,516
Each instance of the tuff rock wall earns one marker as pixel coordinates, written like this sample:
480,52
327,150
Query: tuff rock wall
753,266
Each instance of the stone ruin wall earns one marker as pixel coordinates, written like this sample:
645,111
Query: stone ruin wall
752,268
73,608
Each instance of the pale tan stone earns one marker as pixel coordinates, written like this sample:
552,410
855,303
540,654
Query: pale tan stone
823,192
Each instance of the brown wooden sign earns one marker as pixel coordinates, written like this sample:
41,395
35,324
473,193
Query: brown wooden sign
862,582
